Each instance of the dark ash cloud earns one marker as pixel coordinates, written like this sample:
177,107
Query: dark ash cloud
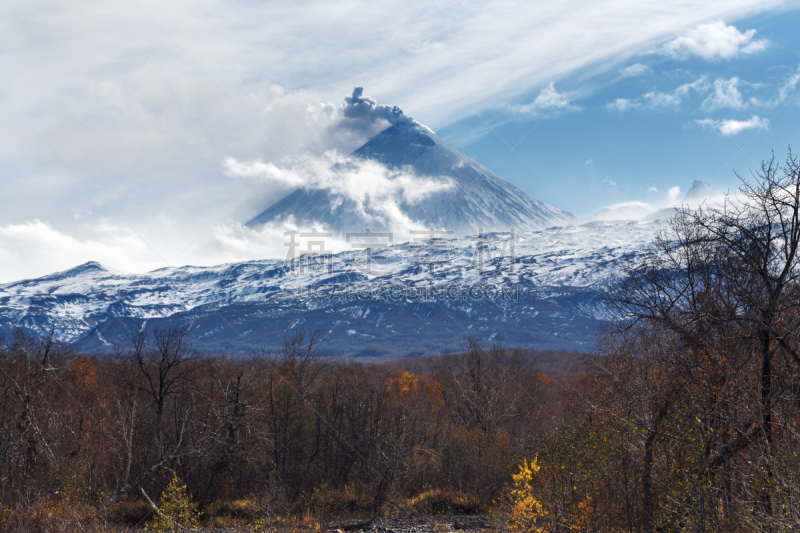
360,107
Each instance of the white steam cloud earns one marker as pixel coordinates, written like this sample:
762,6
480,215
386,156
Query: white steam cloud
376,190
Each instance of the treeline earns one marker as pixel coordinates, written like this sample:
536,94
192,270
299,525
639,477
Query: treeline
688,419
650,434
86,440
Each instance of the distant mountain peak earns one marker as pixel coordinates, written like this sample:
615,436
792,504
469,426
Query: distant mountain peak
701,191
90,267
479,198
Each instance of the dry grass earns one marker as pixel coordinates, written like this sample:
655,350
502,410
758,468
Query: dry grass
439,502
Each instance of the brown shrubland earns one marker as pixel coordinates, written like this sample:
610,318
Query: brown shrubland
90,442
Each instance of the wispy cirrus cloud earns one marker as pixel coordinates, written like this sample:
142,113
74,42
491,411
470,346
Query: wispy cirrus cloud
786,89
661,100
674,99
788,86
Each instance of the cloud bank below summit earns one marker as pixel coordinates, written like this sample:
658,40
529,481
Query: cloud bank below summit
365,182
320,163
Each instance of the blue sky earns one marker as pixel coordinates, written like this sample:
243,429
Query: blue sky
598,154
117,120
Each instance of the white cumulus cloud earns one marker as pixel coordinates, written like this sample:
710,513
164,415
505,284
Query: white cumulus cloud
549,99
731,127
715,40
622,104
635,70
726,94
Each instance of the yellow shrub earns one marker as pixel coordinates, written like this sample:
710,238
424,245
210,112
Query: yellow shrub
526,510
176,511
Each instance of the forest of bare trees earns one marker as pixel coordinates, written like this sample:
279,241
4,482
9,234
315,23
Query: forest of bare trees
87,439
685,418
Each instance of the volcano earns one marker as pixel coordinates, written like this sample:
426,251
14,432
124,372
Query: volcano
478,198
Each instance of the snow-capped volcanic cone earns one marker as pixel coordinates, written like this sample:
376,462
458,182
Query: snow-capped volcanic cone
476,198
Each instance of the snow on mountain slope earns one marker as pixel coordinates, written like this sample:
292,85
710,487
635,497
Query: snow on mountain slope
662,214
479,198
551,288
626,211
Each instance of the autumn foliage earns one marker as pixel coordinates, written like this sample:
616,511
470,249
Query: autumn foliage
92,443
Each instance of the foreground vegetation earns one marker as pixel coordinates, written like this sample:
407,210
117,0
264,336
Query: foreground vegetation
686,419
95,440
